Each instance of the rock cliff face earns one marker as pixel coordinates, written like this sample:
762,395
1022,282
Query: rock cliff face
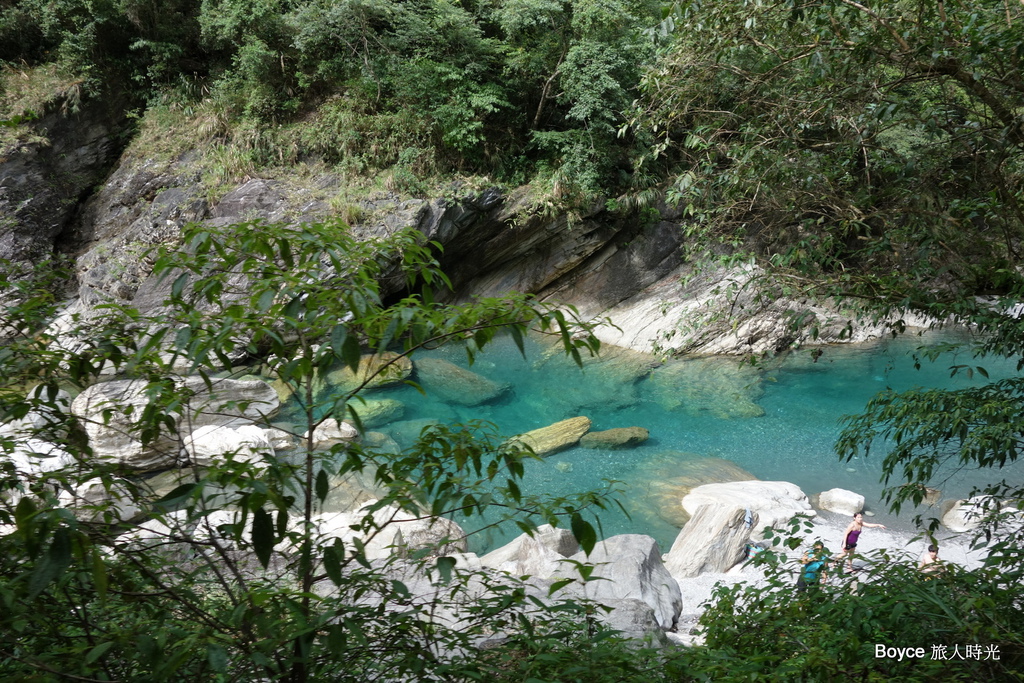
43,181
604,264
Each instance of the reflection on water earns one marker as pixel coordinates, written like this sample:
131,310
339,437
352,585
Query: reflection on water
710,419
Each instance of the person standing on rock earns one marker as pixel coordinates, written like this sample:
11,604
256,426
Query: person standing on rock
852,535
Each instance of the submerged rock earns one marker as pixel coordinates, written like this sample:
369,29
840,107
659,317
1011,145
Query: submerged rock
667,478
556,437
622,437
374,371
456,384
722,387
607,381
376,412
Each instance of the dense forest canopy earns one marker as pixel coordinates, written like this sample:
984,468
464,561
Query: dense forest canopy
869,151
511,88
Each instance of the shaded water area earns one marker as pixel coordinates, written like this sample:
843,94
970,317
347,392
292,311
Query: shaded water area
709,420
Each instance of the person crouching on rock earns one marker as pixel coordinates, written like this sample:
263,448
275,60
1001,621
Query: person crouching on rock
815,564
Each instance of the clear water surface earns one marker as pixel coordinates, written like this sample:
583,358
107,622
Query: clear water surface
696,410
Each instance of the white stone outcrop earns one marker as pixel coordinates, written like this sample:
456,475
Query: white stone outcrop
215,444
99,501
393,532
110,410
966,515
774,502
628,566
841,501
714,540
331,431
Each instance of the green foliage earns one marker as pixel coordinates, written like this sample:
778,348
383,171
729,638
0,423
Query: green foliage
233,566
874,147
873,155
504,88
776,632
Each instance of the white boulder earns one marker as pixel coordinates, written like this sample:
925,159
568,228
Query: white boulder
330,432
841,501
714,540
774,502
110,413
628,566
215,444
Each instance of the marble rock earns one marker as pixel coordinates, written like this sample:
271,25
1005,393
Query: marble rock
99,501
713,540
215,444
621,437
394,531
775,502
966,515
627,566
46,421
374,371
330,432
634,619
536,556
455,384
555,437
841,501
108,411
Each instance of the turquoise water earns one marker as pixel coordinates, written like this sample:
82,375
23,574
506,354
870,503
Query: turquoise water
694,410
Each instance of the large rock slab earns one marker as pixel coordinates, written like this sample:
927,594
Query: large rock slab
712,541
636,620
393,532
774,502
556,437
109,410
536,556
966,515
215,444
456,384
629,567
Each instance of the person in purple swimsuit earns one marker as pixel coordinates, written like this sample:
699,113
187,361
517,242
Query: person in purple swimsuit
852,535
